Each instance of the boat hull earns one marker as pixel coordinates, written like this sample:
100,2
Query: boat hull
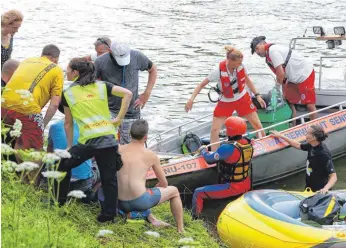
273,158
269,218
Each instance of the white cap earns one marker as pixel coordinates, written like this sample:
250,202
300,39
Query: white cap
121,53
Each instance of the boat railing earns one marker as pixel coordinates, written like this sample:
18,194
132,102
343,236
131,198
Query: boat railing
320,66
293,42
301,117
158,137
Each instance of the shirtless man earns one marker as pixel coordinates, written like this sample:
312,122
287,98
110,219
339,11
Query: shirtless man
137,160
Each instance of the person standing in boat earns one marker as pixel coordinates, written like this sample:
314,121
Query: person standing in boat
10,24
232,78
320,172
294,72
233,160
86,101
121,67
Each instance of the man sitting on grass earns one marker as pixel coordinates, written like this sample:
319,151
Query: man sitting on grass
132,193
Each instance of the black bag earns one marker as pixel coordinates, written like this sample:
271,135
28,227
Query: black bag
323,209
191,143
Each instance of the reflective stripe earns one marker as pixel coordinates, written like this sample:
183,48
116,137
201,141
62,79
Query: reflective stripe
101,87
93,119
70,96
99,130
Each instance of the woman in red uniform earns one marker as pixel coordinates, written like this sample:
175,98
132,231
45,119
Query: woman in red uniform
232,78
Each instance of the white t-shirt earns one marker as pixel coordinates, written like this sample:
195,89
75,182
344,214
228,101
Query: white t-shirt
214,76
298,68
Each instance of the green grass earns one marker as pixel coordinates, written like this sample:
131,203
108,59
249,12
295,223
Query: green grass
76,226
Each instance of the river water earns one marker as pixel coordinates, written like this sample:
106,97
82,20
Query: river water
185,39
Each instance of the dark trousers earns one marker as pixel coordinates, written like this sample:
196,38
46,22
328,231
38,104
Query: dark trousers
107,159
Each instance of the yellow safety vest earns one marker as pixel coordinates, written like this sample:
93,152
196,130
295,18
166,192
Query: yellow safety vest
239,171
89,107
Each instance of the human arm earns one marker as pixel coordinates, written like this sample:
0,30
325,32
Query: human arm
222,153
52,108
160,175
331,181
55,93
332,176
68,125
199,87
143,98
252,87
280,74
126,99
291,142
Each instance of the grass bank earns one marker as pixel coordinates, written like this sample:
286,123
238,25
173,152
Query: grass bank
26,221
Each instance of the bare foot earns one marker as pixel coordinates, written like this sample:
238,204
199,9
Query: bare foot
155,222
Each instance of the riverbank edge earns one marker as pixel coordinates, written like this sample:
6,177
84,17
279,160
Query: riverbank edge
32,224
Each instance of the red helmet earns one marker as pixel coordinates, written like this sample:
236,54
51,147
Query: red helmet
235,126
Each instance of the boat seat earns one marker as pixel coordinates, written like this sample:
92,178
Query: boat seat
289,208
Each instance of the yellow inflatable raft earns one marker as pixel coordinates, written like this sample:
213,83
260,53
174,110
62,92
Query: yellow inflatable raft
270,218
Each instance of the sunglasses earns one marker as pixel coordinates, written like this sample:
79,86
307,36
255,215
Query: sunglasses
103,42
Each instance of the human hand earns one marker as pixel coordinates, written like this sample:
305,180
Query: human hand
188,105
261,101
276,134
116,121
202,148
323,191
141,100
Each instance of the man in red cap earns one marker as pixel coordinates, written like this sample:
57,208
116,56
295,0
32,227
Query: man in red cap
292,70
233,160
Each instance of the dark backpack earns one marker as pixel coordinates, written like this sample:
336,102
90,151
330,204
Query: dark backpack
323,209
191,143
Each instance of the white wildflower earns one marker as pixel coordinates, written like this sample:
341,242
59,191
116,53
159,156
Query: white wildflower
9,166
54,174
17,125
25,103
7,150
2,100
24,93
35,156
187,246
50,158
76,194
15,133
185,240
103,233
62,153
151,233
28,166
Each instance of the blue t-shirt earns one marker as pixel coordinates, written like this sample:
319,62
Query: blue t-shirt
57,139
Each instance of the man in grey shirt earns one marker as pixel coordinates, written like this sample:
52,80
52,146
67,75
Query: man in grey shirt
121,67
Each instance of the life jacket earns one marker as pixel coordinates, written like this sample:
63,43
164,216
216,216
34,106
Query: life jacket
269,61
226,84
237,169
89,107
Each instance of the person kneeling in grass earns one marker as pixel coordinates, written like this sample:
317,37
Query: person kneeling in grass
132,193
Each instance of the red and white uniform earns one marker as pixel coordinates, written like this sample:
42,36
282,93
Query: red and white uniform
234,96
299,73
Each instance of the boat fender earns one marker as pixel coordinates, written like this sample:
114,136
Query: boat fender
191,143
323,209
